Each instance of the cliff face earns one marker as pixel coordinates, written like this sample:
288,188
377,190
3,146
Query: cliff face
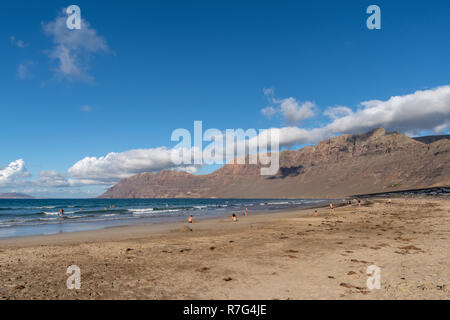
346,165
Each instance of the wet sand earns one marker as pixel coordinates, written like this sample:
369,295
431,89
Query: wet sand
288,255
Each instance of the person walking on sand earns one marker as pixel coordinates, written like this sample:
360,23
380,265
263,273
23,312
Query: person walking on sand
331,209
315,213
359,203
246,211
191,219
234,218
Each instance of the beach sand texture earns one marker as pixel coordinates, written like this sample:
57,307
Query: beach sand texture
287,255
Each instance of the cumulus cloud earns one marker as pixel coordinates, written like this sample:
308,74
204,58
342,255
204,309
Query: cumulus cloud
416,112
13,173
115,166
295,113
73,49
423,110
292,111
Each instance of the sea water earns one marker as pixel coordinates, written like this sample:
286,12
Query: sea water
40,216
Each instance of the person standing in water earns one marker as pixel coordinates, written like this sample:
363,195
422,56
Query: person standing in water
315,213
191,219
61,213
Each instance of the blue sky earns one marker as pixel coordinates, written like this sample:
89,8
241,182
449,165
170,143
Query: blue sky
141,69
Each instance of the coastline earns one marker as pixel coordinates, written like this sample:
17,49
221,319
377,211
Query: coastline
136,231
283,255
71,226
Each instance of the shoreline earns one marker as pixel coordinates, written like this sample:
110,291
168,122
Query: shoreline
133,231
135,225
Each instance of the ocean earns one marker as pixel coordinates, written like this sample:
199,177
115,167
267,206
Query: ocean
29,217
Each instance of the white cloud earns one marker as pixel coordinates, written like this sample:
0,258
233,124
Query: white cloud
292,111
13,173
115,166
73,48
423,110
86,108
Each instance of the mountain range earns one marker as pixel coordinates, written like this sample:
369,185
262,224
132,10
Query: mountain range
377,161
15,196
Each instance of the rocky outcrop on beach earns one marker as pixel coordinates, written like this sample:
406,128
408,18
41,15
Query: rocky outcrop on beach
375,162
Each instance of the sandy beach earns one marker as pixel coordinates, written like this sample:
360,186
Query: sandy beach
283,255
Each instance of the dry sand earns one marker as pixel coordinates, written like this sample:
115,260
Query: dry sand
289,255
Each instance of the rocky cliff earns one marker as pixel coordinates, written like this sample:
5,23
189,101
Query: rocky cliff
377,161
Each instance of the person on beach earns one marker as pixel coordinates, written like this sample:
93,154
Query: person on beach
191,219
389,201
246,211
359,203
331,209
61,213
315,213
234,218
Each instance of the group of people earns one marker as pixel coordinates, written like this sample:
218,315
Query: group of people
234,218
350,202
